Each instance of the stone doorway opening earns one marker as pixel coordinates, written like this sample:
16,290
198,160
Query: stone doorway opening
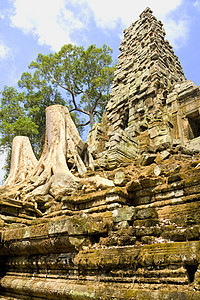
194,125
191,270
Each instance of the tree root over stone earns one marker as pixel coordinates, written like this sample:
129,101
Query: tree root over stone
30,179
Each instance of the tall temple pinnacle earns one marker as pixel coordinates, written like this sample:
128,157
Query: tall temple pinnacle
147,66
144,109
146,11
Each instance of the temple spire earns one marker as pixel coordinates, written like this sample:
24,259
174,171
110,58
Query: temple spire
146,11
147,69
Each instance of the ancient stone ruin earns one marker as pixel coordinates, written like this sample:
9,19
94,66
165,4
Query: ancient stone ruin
117,217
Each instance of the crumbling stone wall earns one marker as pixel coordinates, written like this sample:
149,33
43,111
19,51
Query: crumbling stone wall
184,106
147,69
151,101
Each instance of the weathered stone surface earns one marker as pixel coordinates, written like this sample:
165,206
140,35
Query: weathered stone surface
120,178
147,213
145,69
147,159
130,228
124,214
101,183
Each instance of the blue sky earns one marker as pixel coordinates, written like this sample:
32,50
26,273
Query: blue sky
29,27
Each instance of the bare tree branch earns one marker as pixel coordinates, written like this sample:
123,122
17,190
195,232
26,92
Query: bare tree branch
79,125
97,100
80,110
87,98
73,97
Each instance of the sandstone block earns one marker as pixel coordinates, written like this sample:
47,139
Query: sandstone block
147,213
147,159
101,182
123,214
120,178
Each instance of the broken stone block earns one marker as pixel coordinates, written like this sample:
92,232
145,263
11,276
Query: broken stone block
162,156
120,178
121,225
174,177
162,147
133,186
157,170
147,159
147,213
123,214
101,182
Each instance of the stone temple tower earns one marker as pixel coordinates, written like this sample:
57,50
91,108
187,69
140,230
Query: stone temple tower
146,71
141,112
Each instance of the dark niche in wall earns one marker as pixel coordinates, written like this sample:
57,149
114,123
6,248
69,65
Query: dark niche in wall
191,270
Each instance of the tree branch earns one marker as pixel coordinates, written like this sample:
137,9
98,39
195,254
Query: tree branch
97,112
97,100
86,96
73,97
79,125
80,110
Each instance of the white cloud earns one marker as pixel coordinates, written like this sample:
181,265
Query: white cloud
197,4
5,51
177,31
108,13
54,22
50,21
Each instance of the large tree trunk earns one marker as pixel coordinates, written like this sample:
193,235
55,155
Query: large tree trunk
51,174
23,160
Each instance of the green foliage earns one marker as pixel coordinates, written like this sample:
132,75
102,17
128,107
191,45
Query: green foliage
13,117
75,77
85,75
13,120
